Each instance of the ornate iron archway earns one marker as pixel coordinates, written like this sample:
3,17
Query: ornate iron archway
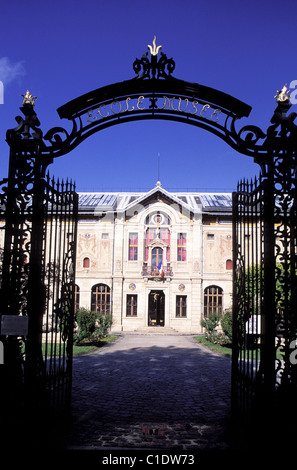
155,94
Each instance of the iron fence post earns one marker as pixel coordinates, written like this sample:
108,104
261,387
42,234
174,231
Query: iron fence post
12,292
235,350
34,369
269,310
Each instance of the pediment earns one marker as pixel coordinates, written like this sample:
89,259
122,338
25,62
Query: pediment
157,242
159,195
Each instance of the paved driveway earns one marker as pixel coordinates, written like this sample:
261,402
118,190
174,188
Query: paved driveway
151,392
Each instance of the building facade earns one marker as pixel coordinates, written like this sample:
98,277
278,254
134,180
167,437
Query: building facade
155,259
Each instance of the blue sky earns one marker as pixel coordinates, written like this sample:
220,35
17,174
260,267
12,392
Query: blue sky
62,49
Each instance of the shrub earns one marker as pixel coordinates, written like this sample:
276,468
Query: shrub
213,333
86,325
226,324
210,324
104,322
91,325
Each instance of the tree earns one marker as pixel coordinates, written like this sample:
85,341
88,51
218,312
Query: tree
253,282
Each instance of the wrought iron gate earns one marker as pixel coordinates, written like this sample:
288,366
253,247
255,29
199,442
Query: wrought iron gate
264,372
39,221
39,225
59,285
250,325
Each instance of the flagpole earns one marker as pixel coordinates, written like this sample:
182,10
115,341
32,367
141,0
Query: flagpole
158,166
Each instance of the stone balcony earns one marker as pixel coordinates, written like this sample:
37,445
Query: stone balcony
153,272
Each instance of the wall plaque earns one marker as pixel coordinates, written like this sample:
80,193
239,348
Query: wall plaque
14,325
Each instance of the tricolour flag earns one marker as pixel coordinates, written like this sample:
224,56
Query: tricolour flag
160,267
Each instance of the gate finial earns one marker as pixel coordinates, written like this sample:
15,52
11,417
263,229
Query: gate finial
28,98
154,50
154,68
283,94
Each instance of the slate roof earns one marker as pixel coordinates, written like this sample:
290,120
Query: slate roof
120,201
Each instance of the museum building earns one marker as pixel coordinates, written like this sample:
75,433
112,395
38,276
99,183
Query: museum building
156,258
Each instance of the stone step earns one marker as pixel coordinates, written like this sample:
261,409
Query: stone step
154,330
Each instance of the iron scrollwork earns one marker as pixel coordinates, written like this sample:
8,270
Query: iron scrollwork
103,109
281,138
154,92
154,68
61,140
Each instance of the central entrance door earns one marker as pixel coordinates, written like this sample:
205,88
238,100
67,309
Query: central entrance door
156,308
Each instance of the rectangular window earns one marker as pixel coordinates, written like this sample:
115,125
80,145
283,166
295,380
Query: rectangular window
131,305
181,306
182,247
210,236
150,235
165,236
133,246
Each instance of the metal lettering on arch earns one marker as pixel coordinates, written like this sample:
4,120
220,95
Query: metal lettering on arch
264,221
153,94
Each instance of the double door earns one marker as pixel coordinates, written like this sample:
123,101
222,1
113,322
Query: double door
156,311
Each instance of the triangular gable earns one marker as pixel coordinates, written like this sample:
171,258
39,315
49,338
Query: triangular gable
158,190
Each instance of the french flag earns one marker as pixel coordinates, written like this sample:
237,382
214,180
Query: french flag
160,268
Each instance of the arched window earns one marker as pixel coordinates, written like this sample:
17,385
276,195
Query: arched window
76,297
68,294
86,263
100,298
229,264
213,301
